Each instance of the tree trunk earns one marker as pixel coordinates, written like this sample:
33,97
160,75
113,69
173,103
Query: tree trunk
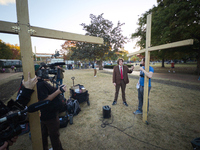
100,65
198,62
163,62
184,60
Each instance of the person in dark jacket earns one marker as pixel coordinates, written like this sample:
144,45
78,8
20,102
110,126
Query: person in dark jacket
50,123
59,75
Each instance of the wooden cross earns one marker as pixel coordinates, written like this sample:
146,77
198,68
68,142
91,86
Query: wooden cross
147,51
25,31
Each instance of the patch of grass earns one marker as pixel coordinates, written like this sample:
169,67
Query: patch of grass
173,117
188,68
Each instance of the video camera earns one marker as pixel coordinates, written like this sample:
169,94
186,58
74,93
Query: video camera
46,69
10,124
141,72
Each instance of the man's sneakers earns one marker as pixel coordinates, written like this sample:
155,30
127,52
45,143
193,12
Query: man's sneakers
114,103
125,104
137,112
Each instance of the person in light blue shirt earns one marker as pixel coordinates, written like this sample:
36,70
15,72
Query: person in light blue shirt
141,87
95,68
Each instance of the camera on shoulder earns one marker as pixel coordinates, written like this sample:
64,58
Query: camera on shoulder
46,69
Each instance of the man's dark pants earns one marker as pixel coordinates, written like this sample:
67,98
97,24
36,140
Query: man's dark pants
140,97
51,128
123,87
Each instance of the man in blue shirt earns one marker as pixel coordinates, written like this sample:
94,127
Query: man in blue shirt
141,87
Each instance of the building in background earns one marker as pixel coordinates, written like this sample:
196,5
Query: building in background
47,58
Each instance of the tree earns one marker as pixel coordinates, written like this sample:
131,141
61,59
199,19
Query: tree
16,54
100,27
8,51
66,49
5,51
123,54
15,50
173,21
135,58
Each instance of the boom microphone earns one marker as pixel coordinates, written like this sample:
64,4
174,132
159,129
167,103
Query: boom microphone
32,108
59,63
37,106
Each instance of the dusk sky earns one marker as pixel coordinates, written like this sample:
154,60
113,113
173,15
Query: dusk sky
65,15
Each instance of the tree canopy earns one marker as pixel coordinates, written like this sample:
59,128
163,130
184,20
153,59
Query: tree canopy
8,51
100,27
172,20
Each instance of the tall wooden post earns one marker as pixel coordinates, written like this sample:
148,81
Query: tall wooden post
28,66
147,58
147,51
25,31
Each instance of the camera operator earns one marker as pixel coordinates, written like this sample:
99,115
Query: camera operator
50,123
23,100
59,75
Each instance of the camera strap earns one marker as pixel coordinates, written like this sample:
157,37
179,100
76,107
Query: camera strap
62,89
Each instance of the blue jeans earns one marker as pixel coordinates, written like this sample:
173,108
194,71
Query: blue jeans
59,81
140,97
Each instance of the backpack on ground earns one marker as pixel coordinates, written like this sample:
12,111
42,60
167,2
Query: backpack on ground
73,107
63,121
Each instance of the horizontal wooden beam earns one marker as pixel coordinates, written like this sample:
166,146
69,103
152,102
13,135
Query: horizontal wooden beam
60,35
165,46
172,45
7,27
137,52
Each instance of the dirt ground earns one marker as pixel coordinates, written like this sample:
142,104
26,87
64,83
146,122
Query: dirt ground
9,85
173,117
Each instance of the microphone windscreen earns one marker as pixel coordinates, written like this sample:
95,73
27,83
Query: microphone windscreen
37,106
59,63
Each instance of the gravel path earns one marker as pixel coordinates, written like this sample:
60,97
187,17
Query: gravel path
168,81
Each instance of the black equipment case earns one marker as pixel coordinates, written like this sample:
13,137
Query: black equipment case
80,97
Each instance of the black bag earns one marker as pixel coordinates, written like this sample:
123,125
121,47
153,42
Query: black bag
92,65
196,143
81,97
3,109
63,107
63,121
77,107
25,128
73,107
